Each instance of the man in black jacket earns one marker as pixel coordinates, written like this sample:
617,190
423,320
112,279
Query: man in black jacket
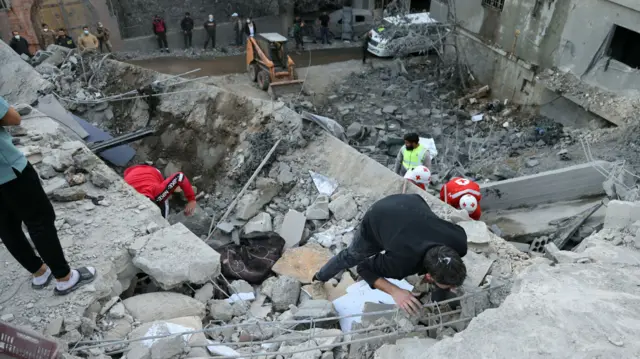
210,32
187,29
414,240
65,40
19,44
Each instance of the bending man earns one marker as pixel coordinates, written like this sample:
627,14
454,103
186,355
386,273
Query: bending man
414,240
148,180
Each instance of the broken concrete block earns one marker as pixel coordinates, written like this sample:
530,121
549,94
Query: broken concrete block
315,309
267,286
292,228
173,256
477,233
313,291
251,203
285,292
620,214
241,286
477,268
552,252
144,349
344,207
405,348
55,327
319,209
259,225
259,309
335,292
162,306
198,222
220,310
69,194
204,294
103,176
302,262
54,185
370,307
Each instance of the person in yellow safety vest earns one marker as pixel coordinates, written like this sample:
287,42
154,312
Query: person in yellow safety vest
411,155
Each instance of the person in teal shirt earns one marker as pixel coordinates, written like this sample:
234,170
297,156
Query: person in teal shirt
23,200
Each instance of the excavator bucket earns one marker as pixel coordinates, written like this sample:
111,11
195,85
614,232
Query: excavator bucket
277,89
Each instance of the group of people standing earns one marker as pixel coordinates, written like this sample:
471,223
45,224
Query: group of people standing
86,41
243,28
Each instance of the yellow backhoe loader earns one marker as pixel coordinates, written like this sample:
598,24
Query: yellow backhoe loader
270,66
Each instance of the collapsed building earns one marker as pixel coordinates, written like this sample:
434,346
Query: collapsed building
169,289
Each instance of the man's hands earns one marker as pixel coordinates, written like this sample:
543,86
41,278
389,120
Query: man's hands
407,301
403,298
190,208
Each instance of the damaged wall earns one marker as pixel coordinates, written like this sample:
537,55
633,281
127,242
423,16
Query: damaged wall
137,14
586,33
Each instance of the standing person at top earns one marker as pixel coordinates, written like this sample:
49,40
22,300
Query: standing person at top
48,37
19,44
462,193
160,29
365,46
65,40
103,34
298,24
324,28
148,180
187,29
414,240
210,32
23,200
411,155
238,28
250,28
86,41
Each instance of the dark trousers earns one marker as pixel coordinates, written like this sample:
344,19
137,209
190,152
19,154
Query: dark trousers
299,40
324,34
23,200
239,38
365,52
188,36
162,40
359,250
210,37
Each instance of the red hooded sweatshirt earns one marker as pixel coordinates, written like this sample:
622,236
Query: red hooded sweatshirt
149,181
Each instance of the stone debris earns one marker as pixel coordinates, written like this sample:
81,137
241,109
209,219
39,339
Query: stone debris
173,256
162,306
205,293
316,309
302,262
292,228
198,222
285,292
477,233
251,203
344,207
259,225
319,209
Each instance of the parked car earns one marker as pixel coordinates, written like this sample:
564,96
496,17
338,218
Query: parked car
397,34
362,20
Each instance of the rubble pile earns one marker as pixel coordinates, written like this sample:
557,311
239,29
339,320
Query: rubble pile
474,135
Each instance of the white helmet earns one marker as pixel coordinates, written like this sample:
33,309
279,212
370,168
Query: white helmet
420,174
468,203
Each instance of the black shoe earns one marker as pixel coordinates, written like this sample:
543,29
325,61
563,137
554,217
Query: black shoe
315,278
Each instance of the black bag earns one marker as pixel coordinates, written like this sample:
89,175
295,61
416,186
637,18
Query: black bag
252,259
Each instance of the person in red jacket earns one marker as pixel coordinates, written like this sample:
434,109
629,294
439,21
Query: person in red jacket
148,180
462,193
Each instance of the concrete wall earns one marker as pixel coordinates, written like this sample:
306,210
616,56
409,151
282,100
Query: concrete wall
224,36
136,15
567,184
586,31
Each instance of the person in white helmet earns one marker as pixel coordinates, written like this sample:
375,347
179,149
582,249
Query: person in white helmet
420,176
462,193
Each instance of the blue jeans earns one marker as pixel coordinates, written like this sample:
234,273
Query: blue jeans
359,250
324,34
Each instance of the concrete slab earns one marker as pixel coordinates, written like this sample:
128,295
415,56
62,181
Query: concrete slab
303,262
523,224
292,228
50,106
566,184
